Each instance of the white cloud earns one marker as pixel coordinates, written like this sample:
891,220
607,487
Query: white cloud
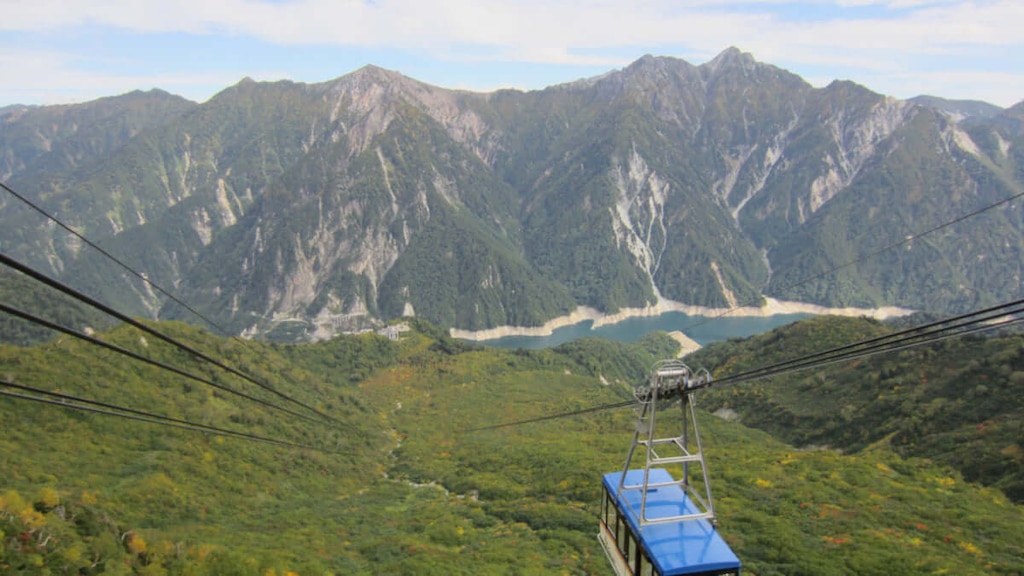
53,78
544,30
894,39
956,85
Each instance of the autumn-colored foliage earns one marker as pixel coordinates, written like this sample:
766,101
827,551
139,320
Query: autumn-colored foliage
407,488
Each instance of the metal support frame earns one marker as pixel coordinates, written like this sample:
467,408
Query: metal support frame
670,379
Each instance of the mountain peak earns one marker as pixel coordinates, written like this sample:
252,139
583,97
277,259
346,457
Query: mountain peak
648,64
958,110
369,76
731,57
375,70
1013,118
372,73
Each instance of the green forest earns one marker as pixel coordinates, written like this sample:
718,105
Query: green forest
400,483
287,211
959,402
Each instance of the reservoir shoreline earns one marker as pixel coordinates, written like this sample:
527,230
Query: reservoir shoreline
583,314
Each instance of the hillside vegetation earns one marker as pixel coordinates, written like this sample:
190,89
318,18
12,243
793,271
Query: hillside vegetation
290,210
959,402
23,293
403,487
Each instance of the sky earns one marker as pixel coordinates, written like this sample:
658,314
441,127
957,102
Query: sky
64,51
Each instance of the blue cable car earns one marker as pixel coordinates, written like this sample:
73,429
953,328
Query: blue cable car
651,522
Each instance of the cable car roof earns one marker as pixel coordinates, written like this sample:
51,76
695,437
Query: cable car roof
684,547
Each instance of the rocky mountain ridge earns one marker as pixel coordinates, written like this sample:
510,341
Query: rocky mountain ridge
297,211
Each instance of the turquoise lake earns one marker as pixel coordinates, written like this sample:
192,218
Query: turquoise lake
702,329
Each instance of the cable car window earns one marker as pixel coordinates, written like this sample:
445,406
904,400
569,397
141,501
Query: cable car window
629,550
646,568
635,554
609,511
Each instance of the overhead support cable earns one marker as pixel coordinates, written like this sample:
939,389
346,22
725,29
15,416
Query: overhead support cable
904,344
857,349
994,317
11,263
86,405
882,343
129,269
938,336
555,416
829,272
118,349
906,240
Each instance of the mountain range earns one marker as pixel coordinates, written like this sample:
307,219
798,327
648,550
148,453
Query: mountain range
294,211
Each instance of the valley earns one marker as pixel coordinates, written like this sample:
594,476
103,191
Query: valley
545,248
295,211
404,486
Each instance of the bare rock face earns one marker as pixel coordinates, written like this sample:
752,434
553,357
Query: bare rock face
296,211
365,101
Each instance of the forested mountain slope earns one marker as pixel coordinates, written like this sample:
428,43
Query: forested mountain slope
307,209
402,486
958,402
